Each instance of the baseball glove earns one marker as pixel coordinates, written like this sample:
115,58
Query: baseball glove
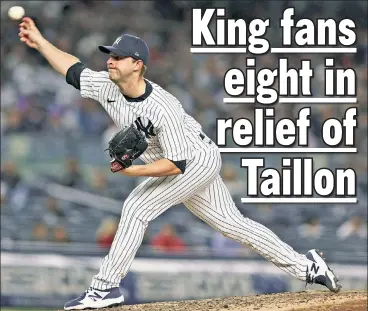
126,146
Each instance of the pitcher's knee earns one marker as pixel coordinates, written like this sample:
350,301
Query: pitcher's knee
131,209
141,210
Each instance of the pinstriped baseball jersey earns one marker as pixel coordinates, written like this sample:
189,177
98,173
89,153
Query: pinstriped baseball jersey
170,132
173,134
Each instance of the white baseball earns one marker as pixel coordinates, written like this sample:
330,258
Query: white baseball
16,12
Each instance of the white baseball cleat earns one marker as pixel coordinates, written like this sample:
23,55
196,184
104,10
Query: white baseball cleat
95,298
318,272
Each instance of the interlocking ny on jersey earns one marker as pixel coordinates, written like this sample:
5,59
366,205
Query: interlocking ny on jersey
145,126
171,133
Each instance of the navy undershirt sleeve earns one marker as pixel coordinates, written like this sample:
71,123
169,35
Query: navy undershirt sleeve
73,74
181,165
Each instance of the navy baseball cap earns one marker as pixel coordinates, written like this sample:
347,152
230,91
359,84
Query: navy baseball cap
128,45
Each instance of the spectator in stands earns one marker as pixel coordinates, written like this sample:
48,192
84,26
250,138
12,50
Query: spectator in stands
10,175
72,176
355,227
14,122
40,232
99,184
167,241
106,232
34,115
55,121
17,191
312,228
53,214
59,234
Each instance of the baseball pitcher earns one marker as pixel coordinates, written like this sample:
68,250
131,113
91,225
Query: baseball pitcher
182,165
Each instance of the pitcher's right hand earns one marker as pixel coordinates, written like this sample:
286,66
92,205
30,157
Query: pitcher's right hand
29,33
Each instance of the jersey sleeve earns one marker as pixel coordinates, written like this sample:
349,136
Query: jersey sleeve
172,137
91,83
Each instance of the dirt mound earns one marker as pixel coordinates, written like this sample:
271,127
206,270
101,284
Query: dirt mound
300,301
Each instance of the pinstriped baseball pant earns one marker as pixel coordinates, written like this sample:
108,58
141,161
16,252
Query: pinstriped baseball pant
203,192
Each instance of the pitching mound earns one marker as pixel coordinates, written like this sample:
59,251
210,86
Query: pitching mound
301,301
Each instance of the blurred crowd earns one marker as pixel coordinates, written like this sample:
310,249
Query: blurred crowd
48,130
35,98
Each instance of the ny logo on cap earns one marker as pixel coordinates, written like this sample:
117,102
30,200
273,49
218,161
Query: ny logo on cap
136,54
118,40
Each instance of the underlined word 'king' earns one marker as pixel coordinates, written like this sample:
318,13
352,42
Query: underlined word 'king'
231,35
